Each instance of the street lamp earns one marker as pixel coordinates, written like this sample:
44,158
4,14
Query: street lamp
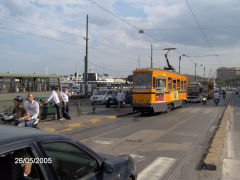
204,70
141,31
180,58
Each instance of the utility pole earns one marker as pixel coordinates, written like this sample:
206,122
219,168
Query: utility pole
204,72
180,57
195,71
151,56
86,62
139,62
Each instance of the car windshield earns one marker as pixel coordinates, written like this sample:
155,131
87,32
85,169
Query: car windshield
142,81
102,92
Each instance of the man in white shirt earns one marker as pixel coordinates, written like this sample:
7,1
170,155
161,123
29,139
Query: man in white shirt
65,100
32,108
120,98
55,97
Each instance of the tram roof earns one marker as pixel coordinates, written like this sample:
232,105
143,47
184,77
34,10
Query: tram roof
156,69
26,75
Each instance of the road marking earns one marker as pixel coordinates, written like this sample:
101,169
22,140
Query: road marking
71,126
157,169
137,158
50,129
230,149
102,142
94,121
111,117
230,169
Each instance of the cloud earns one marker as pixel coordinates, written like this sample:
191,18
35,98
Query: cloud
165,23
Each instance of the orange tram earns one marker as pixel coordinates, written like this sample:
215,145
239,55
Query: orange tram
157,90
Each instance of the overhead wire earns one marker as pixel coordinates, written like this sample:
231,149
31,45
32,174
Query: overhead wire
118,17
40,36
63,41
69,33
191,28
37,25
201,29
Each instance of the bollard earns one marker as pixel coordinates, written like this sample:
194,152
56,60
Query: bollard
78,108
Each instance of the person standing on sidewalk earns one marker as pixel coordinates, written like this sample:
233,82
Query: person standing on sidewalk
55,97
65,101
120,98
32,108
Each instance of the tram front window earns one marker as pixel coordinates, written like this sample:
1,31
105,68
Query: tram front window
142,81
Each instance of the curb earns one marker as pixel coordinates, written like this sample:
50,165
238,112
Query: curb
214,149
122,115
88,123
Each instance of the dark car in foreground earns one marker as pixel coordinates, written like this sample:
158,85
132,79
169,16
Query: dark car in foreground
27,153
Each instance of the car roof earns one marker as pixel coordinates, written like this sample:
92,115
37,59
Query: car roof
10,134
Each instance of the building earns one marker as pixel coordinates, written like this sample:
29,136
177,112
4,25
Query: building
227,72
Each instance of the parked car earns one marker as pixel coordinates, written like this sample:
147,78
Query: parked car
100,96
128,96
33,154
112,100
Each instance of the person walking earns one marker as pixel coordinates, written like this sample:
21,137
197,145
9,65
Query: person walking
120,98
55,97
32,108
65,101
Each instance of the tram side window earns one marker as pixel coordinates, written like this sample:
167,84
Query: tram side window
182,87
174,84
4,88
5,85
185,85
53,82
154,82
178,84
160,84
169,84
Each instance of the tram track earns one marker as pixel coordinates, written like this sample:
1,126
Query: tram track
180,163
132,123
171,175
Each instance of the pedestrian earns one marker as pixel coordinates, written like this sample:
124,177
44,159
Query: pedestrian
93,103
120,98
55,97
65,101
32,108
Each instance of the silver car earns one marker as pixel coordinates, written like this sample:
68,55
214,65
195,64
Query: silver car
100,96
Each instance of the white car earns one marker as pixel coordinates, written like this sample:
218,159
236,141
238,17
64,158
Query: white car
100,96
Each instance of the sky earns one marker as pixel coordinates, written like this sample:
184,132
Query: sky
49,35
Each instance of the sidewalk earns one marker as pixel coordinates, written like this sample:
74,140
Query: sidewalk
231,153
86,118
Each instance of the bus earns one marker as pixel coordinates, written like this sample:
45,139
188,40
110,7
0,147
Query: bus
157,90
194,92
207,88
12,85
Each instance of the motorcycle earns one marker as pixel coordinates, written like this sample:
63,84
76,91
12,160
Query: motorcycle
216,101
13,121
204,99
6,119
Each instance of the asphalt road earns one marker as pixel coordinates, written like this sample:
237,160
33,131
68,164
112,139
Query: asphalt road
164,146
